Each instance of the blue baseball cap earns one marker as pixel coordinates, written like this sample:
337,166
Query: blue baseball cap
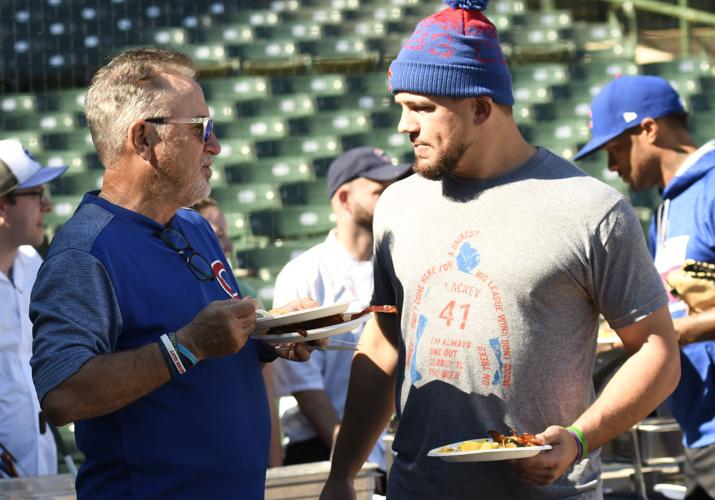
19,170
364,161
624,102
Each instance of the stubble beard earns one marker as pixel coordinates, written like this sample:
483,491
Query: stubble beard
363,218
446,163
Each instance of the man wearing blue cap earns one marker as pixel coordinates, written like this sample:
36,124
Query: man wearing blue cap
335,271
23,205
499,257
640,122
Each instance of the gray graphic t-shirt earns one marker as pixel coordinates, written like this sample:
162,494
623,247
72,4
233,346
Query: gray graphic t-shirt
499,285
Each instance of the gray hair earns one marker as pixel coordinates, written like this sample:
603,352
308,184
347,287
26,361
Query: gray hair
131,86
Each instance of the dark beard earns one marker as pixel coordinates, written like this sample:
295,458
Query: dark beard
445,164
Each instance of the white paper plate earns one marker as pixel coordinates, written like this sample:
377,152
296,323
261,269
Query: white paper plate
486,455
263,324
318,333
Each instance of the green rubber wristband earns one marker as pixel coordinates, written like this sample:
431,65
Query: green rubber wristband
582,439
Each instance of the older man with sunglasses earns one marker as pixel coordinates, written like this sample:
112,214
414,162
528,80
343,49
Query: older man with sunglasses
26,443
141,335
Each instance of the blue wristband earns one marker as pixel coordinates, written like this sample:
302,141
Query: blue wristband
185,352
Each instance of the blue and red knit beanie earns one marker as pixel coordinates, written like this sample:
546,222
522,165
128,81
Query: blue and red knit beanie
456,53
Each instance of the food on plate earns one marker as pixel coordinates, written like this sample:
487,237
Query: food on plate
302,327
472,445
497,441
515,440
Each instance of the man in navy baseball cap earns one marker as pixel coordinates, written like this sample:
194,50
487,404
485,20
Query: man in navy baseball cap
624,103
19,170
365,161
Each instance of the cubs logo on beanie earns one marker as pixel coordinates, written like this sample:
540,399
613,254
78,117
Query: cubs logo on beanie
456,53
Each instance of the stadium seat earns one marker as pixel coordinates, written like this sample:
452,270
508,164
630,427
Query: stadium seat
258,288
272,57
234,34
305,193
236,88
679,66
293,222
341,122
287,106
76,140
338,55
222,111
316,85
247,197
235,151
276,170
18,104
255,128
237,225
78,182
549,74
77,161
319,146
63,206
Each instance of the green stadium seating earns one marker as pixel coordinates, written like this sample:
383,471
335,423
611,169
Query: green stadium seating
233,35
348,54
273,57
237,225
397,146
77,161
316,85
276,170
234,151
222,111
679,66
553,19
78,182
318,146
258,288
71,100
293,222
273,256
241,88
255,128
77,140
341,122
550,74
247,197
305,193
287,106
18,104
63,206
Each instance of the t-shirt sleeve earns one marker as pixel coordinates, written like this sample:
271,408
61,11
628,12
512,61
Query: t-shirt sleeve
626,285
383,270
292,283
75,316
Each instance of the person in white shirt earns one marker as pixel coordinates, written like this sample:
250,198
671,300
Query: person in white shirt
335,271
23,204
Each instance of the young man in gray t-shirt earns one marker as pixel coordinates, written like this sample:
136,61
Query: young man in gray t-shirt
499,257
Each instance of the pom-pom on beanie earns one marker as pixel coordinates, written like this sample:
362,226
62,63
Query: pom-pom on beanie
456,53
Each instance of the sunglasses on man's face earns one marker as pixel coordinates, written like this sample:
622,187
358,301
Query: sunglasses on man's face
207,124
